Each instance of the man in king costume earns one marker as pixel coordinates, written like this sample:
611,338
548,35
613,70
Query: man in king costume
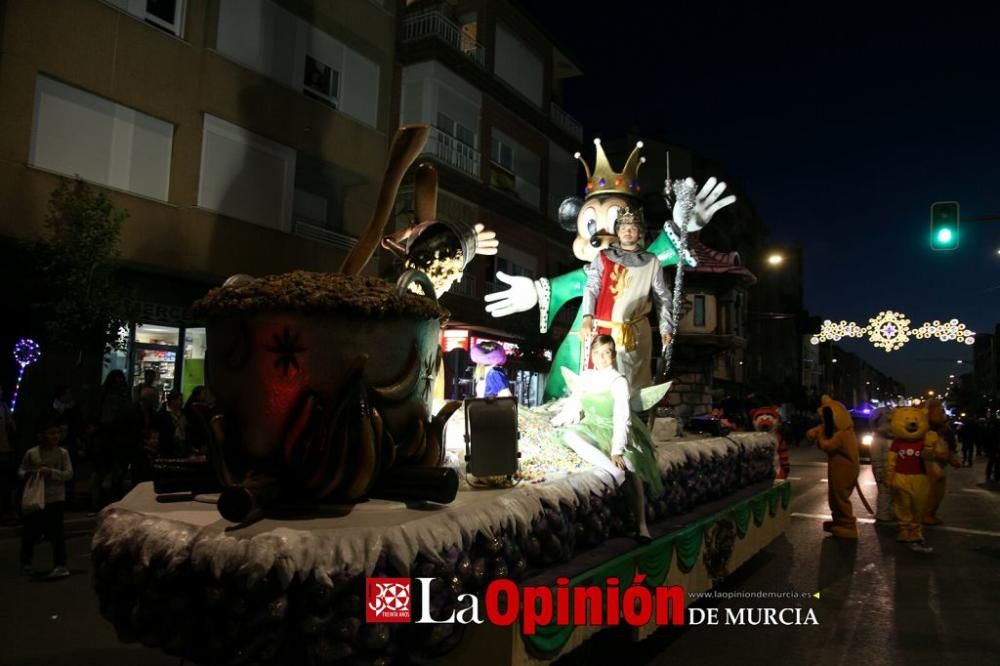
593,218
616,299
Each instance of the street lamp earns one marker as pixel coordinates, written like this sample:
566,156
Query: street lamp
775,259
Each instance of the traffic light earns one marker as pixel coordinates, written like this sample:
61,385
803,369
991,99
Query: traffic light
944,225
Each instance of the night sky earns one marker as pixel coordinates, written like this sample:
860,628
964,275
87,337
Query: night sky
842,128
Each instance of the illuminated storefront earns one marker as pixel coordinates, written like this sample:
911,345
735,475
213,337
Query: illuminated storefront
168,344
526,373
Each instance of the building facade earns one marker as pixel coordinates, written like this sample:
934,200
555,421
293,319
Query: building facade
487,79
242,136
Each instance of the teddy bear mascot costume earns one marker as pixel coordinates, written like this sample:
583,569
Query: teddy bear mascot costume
607,194
936,460
906,473
768,419
835,436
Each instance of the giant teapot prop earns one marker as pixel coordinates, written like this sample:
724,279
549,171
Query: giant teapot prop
323,381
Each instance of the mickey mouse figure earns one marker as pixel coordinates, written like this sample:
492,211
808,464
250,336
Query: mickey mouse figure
607,195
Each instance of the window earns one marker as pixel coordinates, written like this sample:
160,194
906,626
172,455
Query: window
699,310
516,64
74,132
321,81
502,154
167,15
512,268
456,129
246,176
278,44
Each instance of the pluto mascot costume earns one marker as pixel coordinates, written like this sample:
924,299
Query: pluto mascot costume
593,218
882,438
937,460
835,435
906,472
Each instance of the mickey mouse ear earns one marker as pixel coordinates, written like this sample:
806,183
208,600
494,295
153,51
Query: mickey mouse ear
569,210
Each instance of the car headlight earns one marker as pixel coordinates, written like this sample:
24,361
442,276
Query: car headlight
867,440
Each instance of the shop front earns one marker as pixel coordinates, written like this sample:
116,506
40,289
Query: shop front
165,341
525,372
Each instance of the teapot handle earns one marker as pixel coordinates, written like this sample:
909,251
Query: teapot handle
404,281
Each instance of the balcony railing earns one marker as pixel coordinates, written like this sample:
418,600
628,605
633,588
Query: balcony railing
453,152
315,233
436,24
566,121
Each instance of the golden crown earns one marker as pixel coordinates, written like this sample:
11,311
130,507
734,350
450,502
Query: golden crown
626,216
604,180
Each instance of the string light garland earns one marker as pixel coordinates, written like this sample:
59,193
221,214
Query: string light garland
890,330
26,352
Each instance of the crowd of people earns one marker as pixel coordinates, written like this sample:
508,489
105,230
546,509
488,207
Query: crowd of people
88,457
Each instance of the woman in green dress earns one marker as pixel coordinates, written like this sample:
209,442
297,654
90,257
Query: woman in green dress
597,424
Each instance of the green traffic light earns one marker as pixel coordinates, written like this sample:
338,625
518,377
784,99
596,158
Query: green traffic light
944,225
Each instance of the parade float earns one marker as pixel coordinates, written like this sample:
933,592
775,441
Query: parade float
330,466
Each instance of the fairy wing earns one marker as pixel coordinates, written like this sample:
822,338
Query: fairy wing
571,378
645,399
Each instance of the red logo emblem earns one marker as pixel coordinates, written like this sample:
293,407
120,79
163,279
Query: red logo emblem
387,600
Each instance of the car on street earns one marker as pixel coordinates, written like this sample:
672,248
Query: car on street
865,432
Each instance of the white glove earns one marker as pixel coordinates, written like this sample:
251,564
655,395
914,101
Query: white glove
707,203
520,297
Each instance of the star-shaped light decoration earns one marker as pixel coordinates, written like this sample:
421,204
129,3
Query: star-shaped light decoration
287,347
890,330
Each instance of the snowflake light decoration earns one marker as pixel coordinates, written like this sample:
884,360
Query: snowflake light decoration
890,330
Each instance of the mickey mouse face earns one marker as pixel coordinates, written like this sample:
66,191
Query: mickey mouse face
595,222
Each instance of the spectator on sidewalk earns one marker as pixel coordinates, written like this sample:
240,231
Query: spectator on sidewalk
172,427
110,431
150,379
197,413
51,462
991,447
64,404
967,436
141,421
142,466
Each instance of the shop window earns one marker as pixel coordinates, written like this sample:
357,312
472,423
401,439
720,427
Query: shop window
154,348
157,335
193,374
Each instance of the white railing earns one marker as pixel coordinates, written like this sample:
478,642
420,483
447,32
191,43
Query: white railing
453,152
566,121
436,24
313,232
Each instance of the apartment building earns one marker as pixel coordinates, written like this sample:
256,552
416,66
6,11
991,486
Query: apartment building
488,80
242,136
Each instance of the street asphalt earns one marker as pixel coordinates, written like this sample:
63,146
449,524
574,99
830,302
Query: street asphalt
880,603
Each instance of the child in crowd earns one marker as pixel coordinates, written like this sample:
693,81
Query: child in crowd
51,463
